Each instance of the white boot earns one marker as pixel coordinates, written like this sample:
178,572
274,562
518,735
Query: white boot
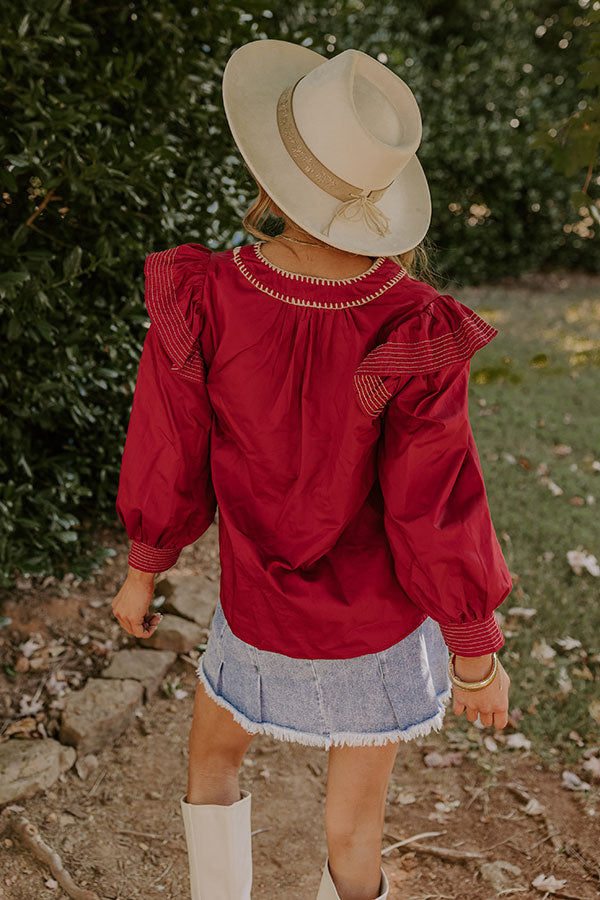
327,890
219,848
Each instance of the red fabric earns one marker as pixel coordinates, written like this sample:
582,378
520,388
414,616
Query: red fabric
329,421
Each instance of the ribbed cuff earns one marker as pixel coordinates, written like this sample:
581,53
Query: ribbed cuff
151,559
474,638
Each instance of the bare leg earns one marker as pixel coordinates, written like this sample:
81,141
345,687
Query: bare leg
357,783
217,744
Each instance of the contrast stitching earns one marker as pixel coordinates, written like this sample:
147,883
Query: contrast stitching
395,358
141,554
371,388
313,303
399,357
313,278
161,301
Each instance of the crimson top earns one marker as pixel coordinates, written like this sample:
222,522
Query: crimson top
328,419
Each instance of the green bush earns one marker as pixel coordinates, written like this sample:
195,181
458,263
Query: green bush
114,144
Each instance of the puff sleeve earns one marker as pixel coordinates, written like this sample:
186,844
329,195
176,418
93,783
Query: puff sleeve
437,520
165,497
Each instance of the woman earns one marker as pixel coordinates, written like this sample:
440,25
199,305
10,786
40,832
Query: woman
311,387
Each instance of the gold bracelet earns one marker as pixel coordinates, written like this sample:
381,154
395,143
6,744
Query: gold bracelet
472,685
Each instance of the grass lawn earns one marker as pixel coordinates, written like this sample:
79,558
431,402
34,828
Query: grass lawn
534,407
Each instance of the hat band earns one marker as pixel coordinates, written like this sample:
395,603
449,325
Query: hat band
358,203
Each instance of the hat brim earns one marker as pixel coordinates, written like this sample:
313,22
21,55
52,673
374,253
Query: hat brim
253,79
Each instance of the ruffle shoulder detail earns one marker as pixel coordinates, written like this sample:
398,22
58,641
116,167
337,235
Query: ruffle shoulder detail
445,332
174,287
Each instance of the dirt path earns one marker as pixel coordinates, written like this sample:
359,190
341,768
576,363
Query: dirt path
120,832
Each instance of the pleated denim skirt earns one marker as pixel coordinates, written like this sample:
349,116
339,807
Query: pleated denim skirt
397,694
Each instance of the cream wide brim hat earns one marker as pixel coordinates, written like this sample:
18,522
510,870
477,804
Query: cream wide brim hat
254,78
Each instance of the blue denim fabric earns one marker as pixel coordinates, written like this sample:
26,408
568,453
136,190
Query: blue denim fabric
395,694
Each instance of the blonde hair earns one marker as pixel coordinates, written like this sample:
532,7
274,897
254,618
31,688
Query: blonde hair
416,262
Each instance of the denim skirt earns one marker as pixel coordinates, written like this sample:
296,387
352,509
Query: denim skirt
397,694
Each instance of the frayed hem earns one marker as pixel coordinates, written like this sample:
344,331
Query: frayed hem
348,738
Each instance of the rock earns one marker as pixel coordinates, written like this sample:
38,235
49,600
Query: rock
494,873
100,712
175,633
191,596
144,665
28,766
86,764
66,819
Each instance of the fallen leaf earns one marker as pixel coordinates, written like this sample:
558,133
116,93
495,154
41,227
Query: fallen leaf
562,449
55,687
518,741
405,798
21,726
564,682
584,672
30,646
533,807
579,560
495,873
522,611
442,760
515,716
568,643
573,782
446,806
542,651
591,751
551,485
548,883
28,706
594,710
593,767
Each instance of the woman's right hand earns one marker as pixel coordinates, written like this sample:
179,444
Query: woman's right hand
491,702
130,606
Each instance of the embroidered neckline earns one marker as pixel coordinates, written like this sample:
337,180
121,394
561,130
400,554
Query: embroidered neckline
379,288
315,279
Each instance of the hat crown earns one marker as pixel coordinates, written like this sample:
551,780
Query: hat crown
358,118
